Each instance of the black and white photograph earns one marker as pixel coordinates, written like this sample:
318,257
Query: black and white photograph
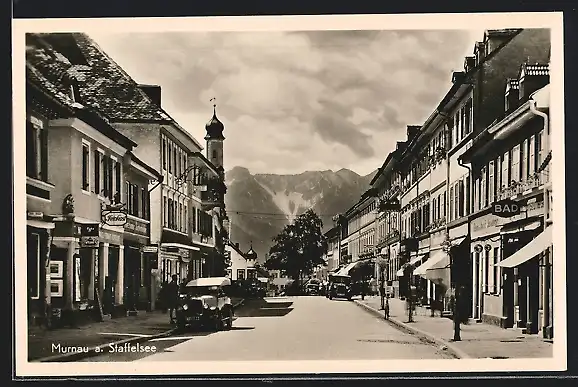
305,194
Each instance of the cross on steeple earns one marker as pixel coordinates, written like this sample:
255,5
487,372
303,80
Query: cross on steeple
213,100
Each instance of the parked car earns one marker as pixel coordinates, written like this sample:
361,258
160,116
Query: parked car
339,287
203,303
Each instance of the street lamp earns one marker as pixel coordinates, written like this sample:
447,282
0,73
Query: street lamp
447,247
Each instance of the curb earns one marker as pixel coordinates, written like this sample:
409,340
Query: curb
100,349
443,343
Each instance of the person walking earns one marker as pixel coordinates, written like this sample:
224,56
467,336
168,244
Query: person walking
382,293
172,296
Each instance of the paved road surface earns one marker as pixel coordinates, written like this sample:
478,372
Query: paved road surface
292,328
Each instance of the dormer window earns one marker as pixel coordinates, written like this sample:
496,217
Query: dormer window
74,93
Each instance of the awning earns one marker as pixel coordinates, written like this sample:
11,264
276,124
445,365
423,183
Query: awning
515,227
347,269
210,281
412,262
180,246
40,224
435,258
533,248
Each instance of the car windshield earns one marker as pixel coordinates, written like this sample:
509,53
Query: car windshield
196,291
341,280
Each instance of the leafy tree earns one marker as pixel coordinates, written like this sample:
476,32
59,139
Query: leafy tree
299,247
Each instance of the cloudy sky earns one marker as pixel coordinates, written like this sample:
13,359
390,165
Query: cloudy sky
297,101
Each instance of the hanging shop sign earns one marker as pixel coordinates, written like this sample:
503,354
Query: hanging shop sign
89,235
114,215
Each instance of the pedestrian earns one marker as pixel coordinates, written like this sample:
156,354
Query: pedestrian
172,296
382,293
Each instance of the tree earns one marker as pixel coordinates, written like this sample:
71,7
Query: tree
299,247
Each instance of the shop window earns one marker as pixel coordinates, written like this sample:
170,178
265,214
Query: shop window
34,265
83,274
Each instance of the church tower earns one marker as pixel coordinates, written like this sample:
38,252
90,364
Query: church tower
215,138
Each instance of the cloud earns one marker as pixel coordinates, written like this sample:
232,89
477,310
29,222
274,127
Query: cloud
295,101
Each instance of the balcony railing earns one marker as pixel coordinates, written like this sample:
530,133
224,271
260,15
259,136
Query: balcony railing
519,187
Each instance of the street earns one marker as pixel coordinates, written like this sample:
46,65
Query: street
291,328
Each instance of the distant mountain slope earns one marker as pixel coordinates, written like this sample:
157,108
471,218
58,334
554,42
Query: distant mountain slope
260,205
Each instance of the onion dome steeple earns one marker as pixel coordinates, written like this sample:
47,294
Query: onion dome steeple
214,127
251,254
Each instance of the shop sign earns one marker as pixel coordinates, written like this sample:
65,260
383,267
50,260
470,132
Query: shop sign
136,227
89,235
35,215
111,237
151,249
114,215
491,223
506,208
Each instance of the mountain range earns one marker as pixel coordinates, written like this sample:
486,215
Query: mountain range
260,205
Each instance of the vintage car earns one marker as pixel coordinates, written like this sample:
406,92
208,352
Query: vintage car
312,289
339,287
203,303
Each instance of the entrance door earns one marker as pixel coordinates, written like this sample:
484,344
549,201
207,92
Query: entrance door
131,275
112,279
532,270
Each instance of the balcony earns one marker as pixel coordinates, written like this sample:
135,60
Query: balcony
516,188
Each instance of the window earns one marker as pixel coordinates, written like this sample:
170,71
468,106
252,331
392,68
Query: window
515,171
144,203
506,170
468,117
523,160
164,154
165,212
451,214
169,156
186,218
85,167
483,189
181,219
497,177
240,274
135,203
497,276
467,193
461,198
175,158
117,183
36,151
539,149
449,130
457,128
194,220
491,182
531,152
128,197
444,205
97,168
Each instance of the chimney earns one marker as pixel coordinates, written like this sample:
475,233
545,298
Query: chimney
479,52
532,78
412,131
153,92
512,94
400,145
469,63
458,76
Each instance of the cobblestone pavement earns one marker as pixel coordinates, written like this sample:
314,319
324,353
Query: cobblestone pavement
479,340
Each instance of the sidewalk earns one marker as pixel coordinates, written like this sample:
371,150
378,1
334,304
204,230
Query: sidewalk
94,334
479,340
132,329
